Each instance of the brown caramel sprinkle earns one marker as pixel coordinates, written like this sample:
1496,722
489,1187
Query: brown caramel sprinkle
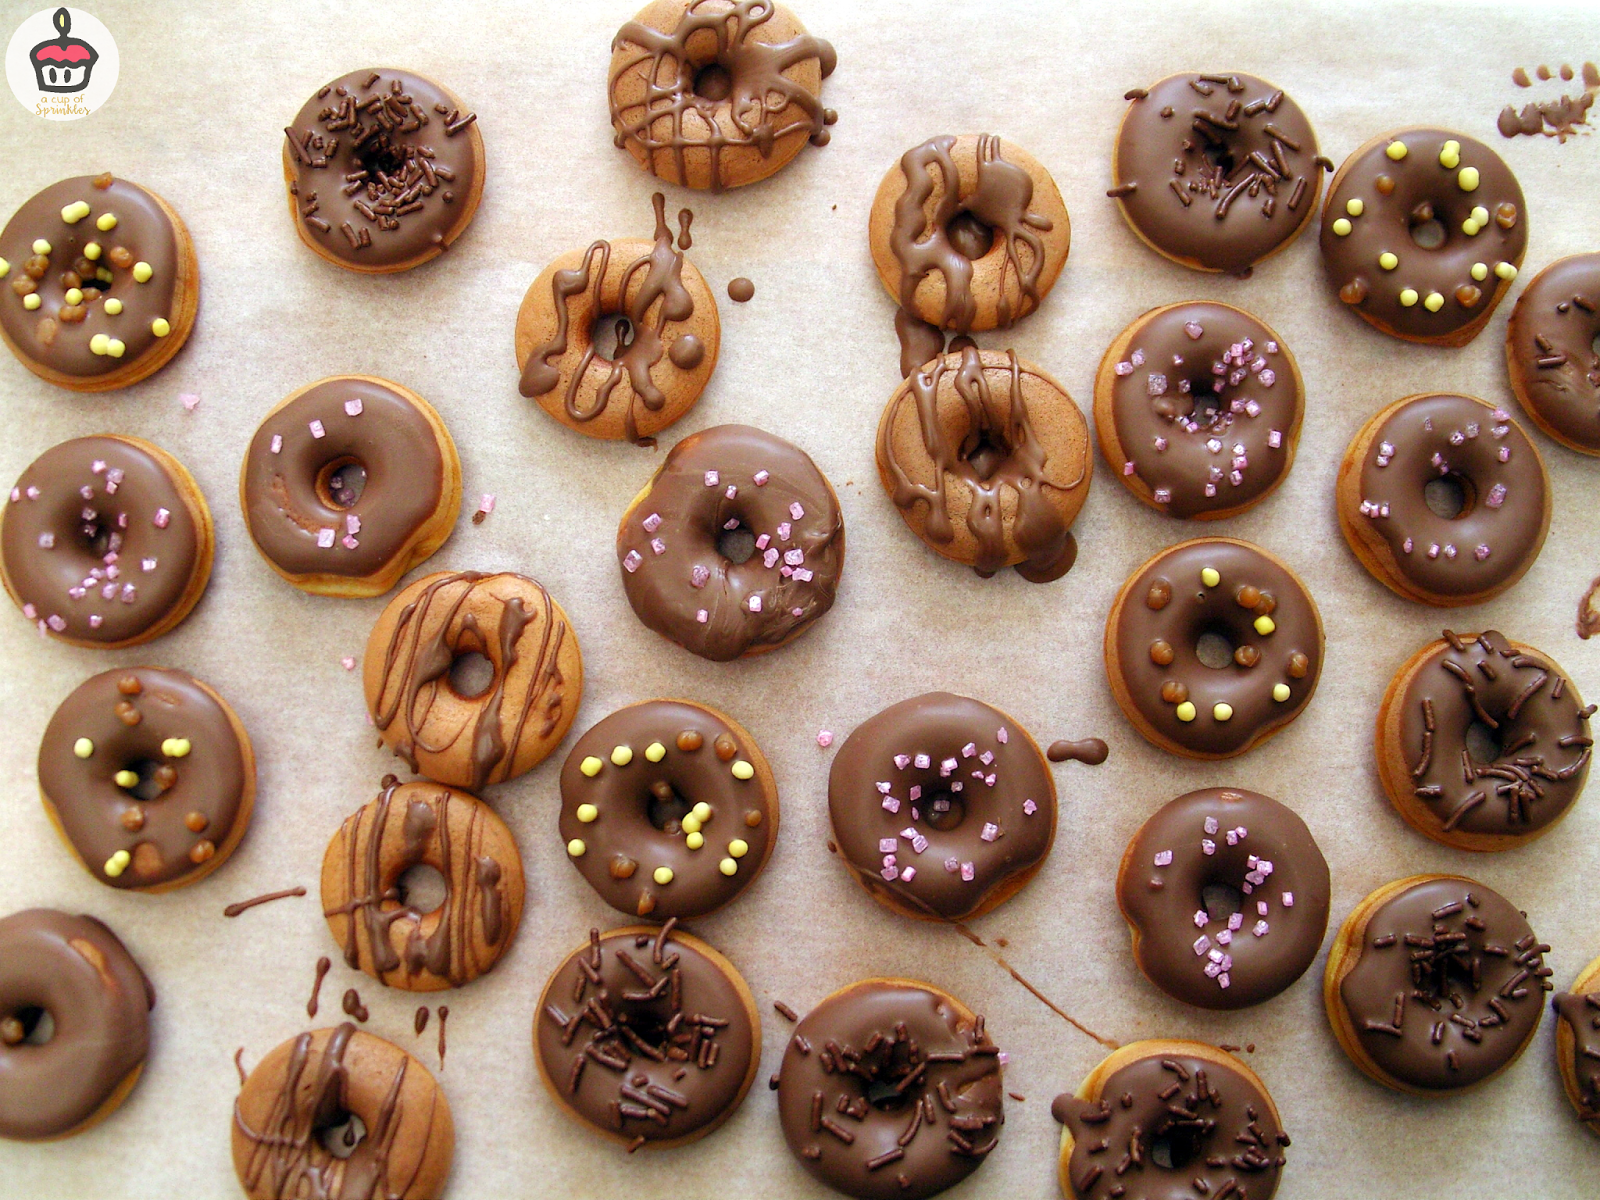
1384,184
71,279
1247,656
1505,215
647,904
1266,604
11,1031
1248,596
196,822
165,776
120,256
22,285
1467,295
1174,692
73,314
623,867
127,713
690,740
1353,292
752,817
129,685
725,747
203,850
46,331
1160,594
103,180
1161,653
133,819
36,266
1299,664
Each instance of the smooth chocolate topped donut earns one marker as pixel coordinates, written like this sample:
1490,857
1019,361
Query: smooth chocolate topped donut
78,972
938,802
1256,604
647,1034
1580,1017
1215,171
1227,894
668,809
727,479
1551,355
1423,233
148,775
891,1088
106,541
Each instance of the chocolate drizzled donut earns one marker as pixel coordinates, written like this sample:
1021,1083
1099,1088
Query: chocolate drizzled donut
1578,1044
1550,351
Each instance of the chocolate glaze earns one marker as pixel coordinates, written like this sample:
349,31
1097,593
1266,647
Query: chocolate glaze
1550,350
1581,1014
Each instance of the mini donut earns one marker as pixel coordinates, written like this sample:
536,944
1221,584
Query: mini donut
668,809
663,1048
1252,861
1163,614
1216,172
732,480
106,542
77,972
1550,351
302,1093
967,234
364,901
1435,983
385,170
988,460
1198,409
1541,735
103,283
349,483
1578,1044
1223,1134
662,308
519,717
148,776
717,93
891,1088
898,798
1409,184
1407,546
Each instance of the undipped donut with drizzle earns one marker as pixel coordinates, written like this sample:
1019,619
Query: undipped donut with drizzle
1153,647
75,971
1578,1044
1215,172
1551,355
668,809
149,777
717,93
1199,857
349,483
1536,725
732,479
662,309
1500,482
988,460
1423,232
516,720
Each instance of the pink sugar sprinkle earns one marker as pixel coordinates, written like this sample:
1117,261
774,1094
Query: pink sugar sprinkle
712,479
1207,846
1211,825
754,603
989,832
731,523
1261,907
763,541
98,466
1001,736
796,510
922,762
888,845
324,538
1201,918
189,400
890,803
161,519
1211,489
1137,358
631,561
95,620
884,786
651,523
946,766
33,492
702,615
352,523
47,540
1288,899
1202,944
486,503
1268,377
794,557
968,872
1213,969
902,761
1496,496
1505,454
30,612
891,872
658,546
1163,858
1194,329
1127,467
698,575
1222,979
731,492
1124,368
149,564
761,478
824,738
16,495
129,592
352,408
785,571
1235,920
986,757
907,874
952,865
1224,937
348,663
1482,552
1407,545
1259,928
1449,550
1156,384
317,429
1161,444
969,750
77,593
56,622
1163,495
348,542
277,443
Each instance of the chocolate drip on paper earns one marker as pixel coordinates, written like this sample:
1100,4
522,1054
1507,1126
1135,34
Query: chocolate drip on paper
233,910
323,965
1090,751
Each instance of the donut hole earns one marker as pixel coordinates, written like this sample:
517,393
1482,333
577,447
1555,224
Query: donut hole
343,1134
1221,901
1427,231
1449,497
1594,347
713,82
945,811
666,809
341,482
985,452
379,155
1220,155
471,675
97,537
737,545
611,334
154,779
27,1026
969,235
1482,743
1214,649
1177,1148
421,887
885,1097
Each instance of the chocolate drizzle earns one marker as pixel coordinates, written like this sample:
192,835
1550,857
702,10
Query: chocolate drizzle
1581,1015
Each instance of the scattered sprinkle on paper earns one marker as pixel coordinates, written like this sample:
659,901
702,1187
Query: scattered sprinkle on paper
189,400
485,507
348,663
824,738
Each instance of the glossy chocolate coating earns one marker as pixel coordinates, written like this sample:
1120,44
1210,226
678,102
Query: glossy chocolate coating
1550,349
1581,1014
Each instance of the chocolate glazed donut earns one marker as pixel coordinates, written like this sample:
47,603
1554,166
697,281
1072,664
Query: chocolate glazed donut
1551,353
1578,1044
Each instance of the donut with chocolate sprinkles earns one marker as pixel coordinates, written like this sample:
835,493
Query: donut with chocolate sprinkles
1578,1044
1551,354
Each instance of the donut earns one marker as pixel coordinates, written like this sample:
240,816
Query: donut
1198,409
660,307
1212,1115
349,483
735,546
520,716
80,518
364,898
148,776
898,793
988,460
1226,896
75,971
717,93
891,1088
1531,716
1578,1044
663,1048
1195,600
1551,353
104,283
1435,983
1495,482
385,170
1422,234
668,809
967,234
1240,162
306,1091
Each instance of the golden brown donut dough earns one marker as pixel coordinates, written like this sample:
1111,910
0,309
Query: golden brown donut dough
1587,983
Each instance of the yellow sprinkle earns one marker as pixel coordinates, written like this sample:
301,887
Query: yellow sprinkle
575,848
1480,271
591,766
1396,150
1480,214
126,778
106,223
621,756
116,348
83,747
159,327
31,301
98,343
1388,260
118,863
1342,227
1505,270
1450,154
1280,692
176,747
1470,227
1264,625
73,296
5,268
113,306
587,813
742,769
1210,576
1186,711
75,212
728,867
1408,297
41,246
142,272
655,751
103,274
1354,207
702,812
92,251
738,847
1468,179
690,823
662,875
1434,302
1222,712
695,840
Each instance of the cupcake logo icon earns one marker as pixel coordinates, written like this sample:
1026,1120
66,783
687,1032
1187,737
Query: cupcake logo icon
64,63
61,63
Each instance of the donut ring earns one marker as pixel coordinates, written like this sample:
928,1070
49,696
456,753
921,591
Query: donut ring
1153,640
517,720
1385,193
988,460
106,542
318,1081
114,281
1578,1044
1256,848
311,524
1550,356
717,93
1198,407
1409,548
665,310
78,972
721,480
700,774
